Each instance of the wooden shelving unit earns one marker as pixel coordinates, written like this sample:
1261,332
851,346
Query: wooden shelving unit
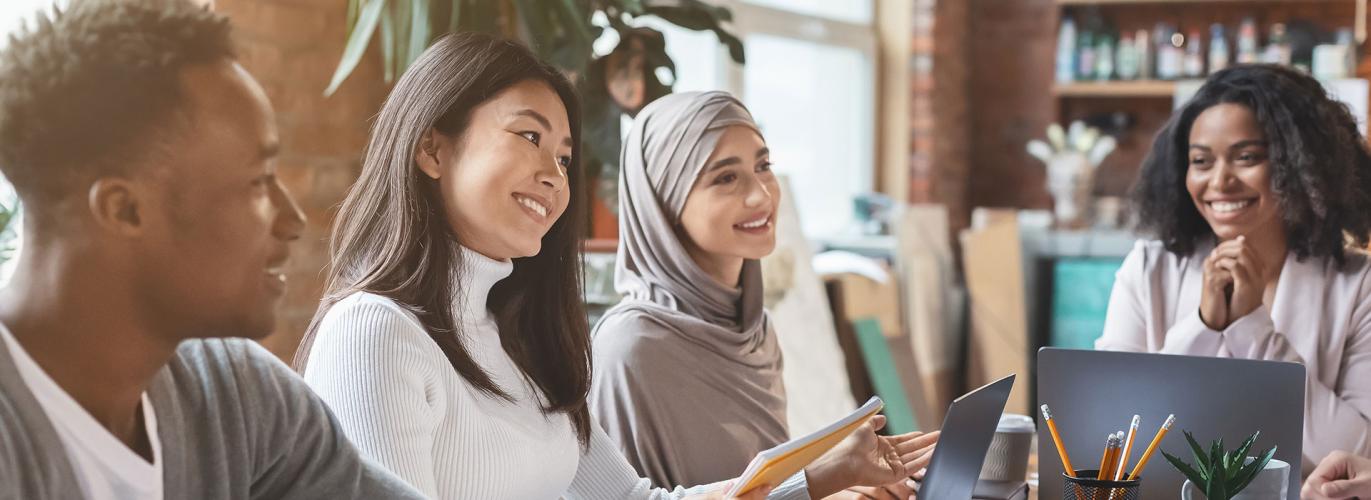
1114,88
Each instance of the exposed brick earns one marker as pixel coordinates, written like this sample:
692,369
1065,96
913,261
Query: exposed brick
291,47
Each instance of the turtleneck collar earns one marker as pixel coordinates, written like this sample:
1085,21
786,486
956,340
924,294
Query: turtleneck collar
475,275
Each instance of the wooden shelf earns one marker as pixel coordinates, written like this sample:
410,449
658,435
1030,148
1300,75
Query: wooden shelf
1140,88
593,245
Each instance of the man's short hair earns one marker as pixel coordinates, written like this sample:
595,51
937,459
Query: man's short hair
86,92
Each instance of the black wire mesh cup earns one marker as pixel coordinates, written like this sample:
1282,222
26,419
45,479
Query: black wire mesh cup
1086,487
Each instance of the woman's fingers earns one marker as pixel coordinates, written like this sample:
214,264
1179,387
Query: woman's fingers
913,441
877,422
918,459
1242,275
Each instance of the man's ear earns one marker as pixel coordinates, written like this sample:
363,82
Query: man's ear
118,205
431,148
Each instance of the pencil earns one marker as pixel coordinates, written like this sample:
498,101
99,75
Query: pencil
1152,448
1108,462
1111,455
1057,439
1127,447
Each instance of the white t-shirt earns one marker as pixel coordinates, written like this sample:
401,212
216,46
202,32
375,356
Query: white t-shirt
106,468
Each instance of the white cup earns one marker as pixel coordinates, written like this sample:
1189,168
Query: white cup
1007,457
1270,484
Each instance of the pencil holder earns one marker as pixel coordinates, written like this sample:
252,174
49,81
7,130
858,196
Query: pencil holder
1086,487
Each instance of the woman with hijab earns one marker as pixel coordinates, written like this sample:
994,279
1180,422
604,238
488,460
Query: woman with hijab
452,343
687,368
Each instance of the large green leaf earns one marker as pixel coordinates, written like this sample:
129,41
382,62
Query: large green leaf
720,13
1190,473
1216,460
1216,490
388,44
540,25
699,19
419,31
357,42
1241,452
1201,459
1242,480
632,7
579,27
403,27
454,17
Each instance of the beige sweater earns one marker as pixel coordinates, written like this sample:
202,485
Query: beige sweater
1321,317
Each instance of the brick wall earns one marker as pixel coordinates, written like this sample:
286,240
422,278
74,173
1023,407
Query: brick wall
291,47
940,125
1011,52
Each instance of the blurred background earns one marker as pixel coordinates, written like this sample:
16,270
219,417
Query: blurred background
938,228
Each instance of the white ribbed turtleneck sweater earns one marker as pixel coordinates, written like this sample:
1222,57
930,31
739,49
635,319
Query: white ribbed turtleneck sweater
401,402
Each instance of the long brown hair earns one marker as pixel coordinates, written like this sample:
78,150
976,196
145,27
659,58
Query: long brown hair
391,237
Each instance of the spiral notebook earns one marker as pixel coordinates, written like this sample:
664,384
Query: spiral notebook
777,464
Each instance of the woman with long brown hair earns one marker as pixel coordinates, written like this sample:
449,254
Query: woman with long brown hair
451,341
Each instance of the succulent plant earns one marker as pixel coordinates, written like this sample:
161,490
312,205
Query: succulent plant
1221,474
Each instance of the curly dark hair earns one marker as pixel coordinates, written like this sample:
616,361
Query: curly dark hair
1320,165
85,92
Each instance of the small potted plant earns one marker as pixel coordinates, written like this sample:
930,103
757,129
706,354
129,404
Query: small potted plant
1221,475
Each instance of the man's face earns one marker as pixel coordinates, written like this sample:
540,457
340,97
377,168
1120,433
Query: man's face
219,228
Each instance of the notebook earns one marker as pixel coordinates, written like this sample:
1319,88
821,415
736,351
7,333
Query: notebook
777,464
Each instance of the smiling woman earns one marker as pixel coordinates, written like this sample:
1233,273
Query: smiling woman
1259,191
688,366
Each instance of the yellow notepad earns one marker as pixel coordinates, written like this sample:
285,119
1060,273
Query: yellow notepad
777,464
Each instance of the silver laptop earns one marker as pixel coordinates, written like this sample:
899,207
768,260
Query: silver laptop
1094,393
967,431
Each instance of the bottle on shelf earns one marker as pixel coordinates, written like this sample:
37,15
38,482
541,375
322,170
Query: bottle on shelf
1247,41
1085,55
1194,55
1277,46
1126,58
1142,45
1066,51
1170,57
1218,48
1104,56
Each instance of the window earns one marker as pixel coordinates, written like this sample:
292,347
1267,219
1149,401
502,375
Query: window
810,83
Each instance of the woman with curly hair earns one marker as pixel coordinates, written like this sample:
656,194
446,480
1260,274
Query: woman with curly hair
1259,193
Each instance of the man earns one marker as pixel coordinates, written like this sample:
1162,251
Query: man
155,231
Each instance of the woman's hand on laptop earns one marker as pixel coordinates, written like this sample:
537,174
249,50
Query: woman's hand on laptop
1339,476
916,449
867,459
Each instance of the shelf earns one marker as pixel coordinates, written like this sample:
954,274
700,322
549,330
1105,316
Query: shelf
593,245
1140,88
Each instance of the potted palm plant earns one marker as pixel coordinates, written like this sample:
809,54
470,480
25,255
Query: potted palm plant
1221,475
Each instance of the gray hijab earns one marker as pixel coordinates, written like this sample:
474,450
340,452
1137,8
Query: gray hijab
687,371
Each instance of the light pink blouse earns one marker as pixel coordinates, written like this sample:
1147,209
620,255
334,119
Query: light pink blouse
1321,317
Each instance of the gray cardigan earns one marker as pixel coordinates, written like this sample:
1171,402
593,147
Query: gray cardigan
234,422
